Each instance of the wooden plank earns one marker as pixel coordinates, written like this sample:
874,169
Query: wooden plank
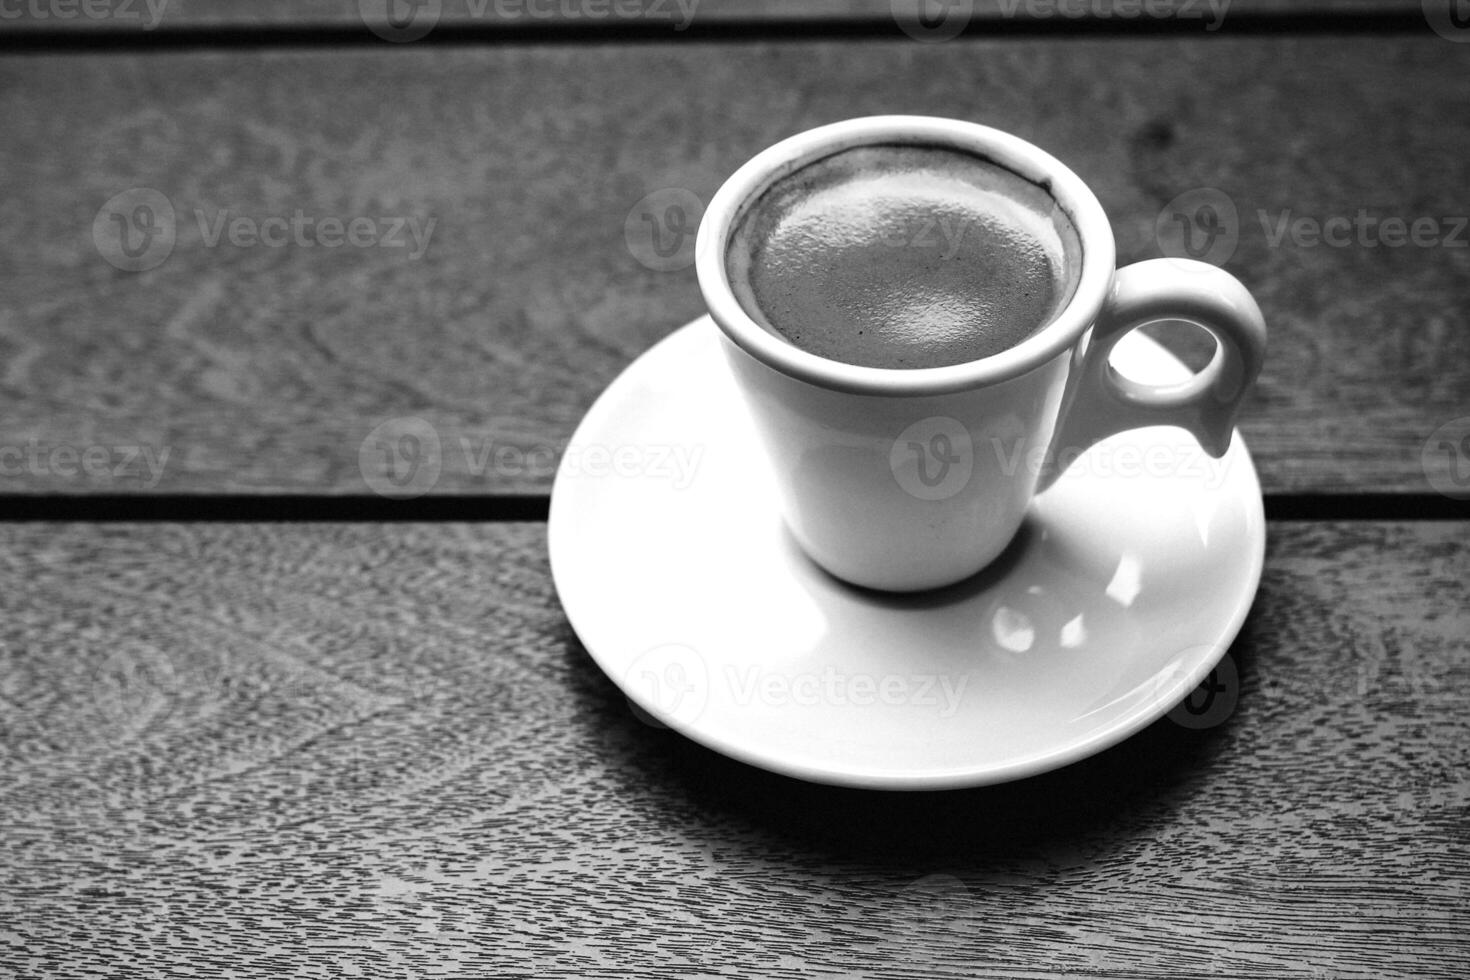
264,369
420,18
341,750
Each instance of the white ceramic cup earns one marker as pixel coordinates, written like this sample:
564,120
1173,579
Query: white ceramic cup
906,479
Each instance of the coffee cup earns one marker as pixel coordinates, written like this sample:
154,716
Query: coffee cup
895,390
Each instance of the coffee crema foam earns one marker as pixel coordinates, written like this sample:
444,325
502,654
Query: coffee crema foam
903,257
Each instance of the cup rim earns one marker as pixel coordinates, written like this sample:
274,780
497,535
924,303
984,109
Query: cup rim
1094,234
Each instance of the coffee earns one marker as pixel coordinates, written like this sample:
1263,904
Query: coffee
903,256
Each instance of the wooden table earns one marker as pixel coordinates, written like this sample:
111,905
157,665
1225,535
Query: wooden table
261,721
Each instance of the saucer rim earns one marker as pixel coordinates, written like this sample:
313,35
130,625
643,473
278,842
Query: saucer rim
1147,713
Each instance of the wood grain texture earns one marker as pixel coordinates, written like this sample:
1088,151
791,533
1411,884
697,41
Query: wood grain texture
264,369
124,17
358,750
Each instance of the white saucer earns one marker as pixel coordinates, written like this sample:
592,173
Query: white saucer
1129,581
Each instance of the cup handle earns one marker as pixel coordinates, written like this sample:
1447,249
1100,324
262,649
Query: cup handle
1101,402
